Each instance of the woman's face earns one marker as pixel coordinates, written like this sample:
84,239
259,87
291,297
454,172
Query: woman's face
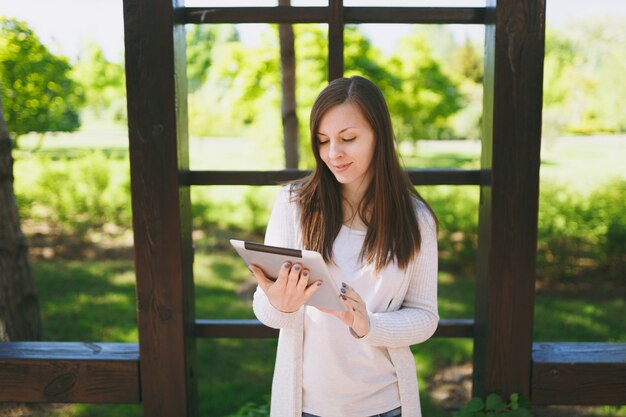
346,145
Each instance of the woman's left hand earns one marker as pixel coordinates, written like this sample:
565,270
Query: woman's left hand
356,317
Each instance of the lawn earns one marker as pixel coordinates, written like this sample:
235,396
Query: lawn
93,299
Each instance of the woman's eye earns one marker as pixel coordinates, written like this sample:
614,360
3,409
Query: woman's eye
348,139
322,142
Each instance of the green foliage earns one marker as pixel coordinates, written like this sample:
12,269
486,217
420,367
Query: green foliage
469,61
577,234
494,405
427,96
103,83
253,410
583,77
201,39
79,195
39,95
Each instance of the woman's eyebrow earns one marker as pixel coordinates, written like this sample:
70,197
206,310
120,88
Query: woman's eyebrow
341,131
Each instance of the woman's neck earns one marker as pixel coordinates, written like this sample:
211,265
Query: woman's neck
350,210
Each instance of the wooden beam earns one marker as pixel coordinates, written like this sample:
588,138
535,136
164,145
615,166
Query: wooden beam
579,374
282,14
507,235
157,123
69,372
254,329
335,39
432,176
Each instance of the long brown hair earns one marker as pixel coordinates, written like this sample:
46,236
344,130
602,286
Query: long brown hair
388,205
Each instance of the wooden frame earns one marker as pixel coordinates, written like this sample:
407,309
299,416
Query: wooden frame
156,88
508,210
159,371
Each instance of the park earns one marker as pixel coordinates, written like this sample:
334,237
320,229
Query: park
148,311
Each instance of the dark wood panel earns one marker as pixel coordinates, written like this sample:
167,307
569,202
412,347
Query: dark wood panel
579,374
514,47
439,15
282,14
69,372
157,122
335,39
254,329
418,177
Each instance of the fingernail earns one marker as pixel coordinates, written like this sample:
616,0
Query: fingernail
343,284
305,273
319,284
343,290
344,298
297,267
286,265
353,309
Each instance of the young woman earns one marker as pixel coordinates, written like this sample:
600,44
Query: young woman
360,211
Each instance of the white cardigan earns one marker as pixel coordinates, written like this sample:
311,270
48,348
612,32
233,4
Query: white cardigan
411,318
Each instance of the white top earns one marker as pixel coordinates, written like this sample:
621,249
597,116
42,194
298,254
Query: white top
410,318
357,379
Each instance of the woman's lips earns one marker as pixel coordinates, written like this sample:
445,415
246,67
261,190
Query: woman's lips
342,167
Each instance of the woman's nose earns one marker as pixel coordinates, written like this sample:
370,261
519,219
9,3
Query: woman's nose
335,150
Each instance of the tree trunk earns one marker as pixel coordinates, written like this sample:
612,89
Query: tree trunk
290,118
19,308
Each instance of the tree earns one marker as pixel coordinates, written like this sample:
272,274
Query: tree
288,83
427,97
102,82
201,40
38,92
19,309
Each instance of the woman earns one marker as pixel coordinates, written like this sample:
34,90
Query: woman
360,211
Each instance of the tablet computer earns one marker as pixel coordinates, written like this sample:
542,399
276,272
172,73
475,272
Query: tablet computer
271,258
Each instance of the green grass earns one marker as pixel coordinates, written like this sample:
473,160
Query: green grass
94,301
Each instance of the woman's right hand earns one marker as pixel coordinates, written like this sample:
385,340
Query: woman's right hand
290,290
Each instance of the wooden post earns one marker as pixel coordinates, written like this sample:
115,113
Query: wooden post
157,123
335,39
514,48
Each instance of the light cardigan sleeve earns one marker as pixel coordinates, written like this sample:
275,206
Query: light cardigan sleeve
281,231
417,318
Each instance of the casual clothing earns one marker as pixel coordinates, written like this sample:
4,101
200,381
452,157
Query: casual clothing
348,384
402,306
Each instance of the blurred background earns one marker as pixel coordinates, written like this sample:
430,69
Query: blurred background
63,89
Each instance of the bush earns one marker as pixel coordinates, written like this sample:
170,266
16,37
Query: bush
577,234
494,405
79,195
457,211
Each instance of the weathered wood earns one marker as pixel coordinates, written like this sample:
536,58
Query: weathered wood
69,372
335,39
579,374
288,83
417,176
514,47
254,329
281,14
157,122
19,308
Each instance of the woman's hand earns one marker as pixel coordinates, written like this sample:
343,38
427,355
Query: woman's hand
356,317
290,290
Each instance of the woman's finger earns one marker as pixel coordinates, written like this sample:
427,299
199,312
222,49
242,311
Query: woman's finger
303,282
264,282
283,274
350,292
